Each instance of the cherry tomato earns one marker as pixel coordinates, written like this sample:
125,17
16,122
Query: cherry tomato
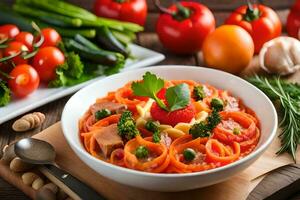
13,48
9,31
293,21
51,37
26,38
261,22
229,48
125,10
184,32
46,61
25,80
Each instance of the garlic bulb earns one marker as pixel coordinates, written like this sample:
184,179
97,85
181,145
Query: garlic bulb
280,55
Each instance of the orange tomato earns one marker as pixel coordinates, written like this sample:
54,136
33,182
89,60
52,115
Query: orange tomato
229,48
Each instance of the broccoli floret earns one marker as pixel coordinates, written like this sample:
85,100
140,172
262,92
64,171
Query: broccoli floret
198,93
100,114
4,94
156,137
213,119
152,126
204,128
141,152
200,130
217,104
126,126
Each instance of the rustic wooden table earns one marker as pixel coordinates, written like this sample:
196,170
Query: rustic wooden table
148,39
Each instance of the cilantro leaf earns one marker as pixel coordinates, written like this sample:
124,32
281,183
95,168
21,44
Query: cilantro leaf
149,88
178,97
4,94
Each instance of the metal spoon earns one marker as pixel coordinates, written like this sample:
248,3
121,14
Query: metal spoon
42,153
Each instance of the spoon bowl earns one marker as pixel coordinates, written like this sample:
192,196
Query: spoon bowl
35,151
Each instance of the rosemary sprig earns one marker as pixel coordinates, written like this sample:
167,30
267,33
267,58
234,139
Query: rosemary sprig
288,95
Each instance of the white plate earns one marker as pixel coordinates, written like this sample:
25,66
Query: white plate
143,57
251,96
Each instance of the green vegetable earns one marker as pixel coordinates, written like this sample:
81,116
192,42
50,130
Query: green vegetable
200,130
204,128
217,104
88,18
86,42
100,114
176,96
189,154
149,87
8,16
126,126
4,94
107,40
236,131
198,93
288,96
100,56
152,126
156,136
69,73
48,17
141,152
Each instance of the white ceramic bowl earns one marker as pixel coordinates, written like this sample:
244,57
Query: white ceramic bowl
251,96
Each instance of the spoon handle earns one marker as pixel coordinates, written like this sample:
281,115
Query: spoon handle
71,185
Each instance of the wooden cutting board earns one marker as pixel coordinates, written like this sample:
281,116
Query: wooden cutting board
237,187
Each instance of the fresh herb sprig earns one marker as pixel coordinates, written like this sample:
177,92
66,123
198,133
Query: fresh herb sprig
288,95
177,97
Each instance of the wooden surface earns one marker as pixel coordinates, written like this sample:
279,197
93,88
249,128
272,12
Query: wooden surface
148,39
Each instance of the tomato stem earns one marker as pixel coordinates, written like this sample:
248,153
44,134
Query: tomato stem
10,57
182,13
251,13
5,75
120,1
37,29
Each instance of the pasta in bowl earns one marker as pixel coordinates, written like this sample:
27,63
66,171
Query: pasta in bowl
158,130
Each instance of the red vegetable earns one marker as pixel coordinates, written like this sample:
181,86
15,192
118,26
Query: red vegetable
25,80
125,10
25,38
8,31
15,47
172,118
51,37
184,27
46,61
260,21
293,21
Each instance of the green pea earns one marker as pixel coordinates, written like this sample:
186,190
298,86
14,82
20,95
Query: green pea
236,131
141,152
189,154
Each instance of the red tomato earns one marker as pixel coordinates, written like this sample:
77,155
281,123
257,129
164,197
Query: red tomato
25,80
184,34
46,61
13,48
51,37
9,31
26,38
125,10
261,22
293,21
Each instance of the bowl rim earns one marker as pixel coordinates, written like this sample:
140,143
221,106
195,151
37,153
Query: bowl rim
251,156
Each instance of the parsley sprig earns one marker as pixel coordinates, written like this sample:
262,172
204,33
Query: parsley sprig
288,96
177,97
